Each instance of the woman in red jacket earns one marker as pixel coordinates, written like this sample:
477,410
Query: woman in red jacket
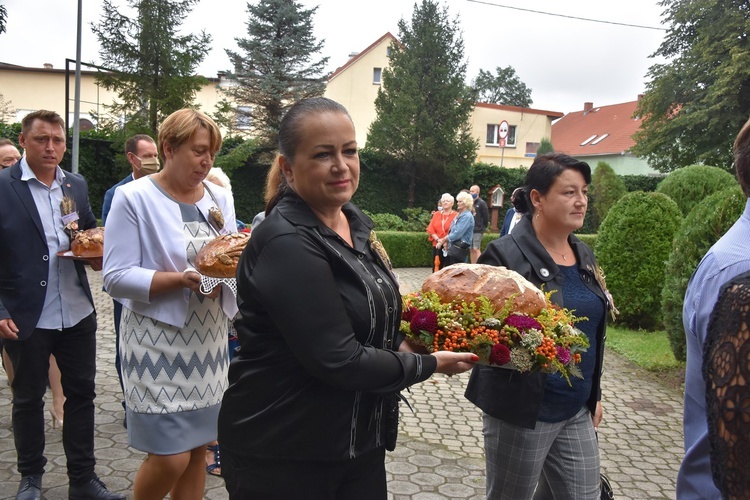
439,226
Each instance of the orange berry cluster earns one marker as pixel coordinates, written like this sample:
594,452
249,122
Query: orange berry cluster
460,340
547,349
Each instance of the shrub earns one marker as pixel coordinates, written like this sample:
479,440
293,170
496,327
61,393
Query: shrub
607,188
645,183
388,222
407,249
632,246
688,186
545,146
417,219
703,226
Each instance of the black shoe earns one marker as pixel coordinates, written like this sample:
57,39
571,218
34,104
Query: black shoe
93,489
30,487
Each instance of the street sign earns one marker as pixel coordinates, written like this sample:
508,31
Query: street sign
502,133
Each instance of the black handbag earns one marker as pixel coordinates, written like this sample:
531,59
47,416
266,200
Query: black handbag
606,488
458,251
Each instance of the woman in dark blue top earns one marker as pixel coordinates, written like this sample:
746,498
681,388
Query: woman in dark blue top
539,432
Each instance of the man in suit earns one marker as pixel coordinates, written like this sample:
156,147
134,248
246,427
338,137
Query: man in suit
46,306
9,155
143,157
512,216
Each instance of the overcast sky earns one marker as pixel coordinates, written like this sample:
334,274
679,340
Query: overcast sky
564,61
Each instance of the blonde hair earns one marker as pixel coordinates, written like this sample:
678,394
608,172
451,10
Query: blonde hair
218,177
448,197
466,199
180,126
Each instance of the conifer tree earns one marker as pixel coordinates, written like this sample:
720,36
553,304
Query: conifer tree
276,66
153,65
424,105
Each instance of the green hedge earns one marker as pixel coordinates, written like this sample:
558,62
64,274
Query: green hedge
702,227
688,186
411,249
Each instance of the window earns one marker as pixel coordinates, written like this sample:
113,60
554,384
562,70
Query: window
599,139
494,140
377,74
244,120
531,149
588,140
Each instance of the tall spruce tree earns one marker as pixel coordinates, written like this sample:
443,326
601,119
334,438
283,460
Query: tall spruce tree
698,100
424,105
277,65
153,66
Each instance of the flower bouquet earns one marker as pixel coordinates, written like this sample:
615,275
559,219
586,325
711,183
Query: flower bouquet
501,337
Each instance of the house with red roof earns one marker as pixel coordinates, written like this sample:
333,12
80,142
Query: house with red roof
603,133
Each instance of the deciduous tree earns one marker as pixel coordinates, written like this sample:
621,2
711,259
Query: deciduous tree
154,66
423,107
698,100
276,66
504,87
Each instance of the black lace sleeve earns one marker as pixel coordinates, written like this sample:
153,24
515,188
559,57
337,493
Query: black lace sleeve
726,370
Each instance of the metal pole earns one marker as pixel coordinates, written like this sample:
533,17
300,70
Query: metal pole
77,99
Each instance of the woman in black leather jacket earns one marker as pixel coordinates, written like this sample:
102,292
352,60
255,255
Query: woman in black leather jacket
304,414
539,432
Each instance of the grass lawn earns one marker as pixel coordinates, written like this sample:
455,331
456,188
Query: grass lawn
649,350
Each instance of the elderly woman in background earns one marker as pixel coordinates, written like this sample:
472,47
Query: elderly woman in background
174,337
438,228
457,242
305,413
539,433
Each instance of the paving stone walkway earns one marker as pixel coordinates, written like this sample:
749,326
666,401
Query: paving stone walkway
439,453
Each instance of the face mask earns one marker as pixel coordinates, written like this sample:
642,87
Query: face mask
149,165
474,196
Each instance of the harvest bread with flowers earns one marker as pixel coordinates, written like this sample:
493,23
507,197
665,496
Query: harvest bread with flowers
88,243
496,314
469,281
219,257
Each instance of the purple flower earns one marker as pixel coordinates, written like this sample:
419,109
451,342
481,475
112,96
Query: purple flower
500,354
522,322
563,354
424,320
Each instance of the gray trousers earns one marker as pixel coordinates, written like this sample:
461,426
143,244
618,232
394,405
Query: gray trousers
557,461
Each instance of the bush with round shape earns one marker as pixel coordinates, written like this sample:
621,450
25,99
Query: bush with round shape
632,246
688,186
703,226
606,189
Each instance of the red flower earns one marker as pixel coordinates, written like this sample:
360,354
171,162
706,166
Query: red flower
409,313
500,354
522,322
424,320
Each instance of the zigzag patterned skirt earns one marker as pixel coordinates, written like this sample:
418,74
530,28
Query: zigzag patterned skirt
174,378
